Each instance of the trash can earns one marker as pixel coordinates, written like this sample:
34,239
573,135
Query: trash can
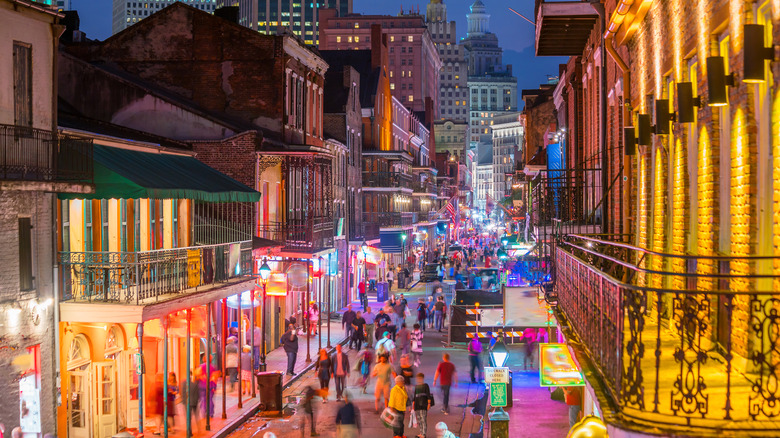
269,388
381,292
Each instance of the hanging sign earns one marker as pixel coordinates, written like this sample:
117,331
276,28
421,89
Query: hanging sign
496,375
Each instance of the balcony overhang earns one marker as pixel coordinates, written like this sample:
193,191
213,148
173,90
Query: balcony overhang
563,28
390,155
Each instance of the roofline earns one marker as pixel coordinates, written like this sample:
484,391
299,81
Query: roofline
38,7
126,143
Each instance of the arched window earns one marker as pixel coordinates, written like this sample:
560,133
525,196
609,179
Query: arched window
78,354
114,342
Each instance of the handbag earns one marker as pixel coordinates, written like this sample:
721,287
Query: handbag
390,418
412,420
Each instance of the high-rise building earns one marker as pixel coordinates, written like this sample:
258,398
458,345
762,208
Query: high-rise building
480,47
272,16
507,131
454,93
414,63
63,5
127,13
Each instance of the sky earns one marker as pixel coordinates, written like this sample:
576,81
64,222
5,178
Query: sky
515,35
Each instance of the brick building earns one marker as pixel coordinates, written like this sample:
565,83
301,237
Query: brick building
454,91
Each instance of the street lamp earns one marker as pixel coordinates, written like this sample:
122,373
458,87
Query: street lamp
501,253
364,301
265,273
403,249
499,354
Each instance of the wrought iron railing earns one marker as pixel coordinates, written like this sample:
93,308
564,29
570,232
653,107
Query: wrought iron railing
685,344
313,234
29,154
389,219
387,179
150,276
424,187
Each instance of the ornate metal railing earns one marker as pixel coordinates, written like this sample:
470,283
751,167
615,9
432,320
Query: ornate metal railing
389,219
387,179
149,276
424,187
690,350
313,234
30,154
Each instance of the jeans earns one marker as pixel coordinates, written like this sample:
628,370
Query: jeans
389,285
399,430
438,318
574,413
349,332
341,383
445,391
256,354
291,362
430,318
474,361
363,301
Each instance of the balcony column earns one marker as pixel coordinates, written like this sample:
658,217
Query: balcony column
308,314
224,356
165,375
140,334
241,341
188,374
208,366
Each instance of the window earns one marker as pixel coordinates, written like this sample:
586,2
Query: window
123,225
392,86
392,38
22,84
357,39
391,73
411,38
136,224
25,254
357,25
338,39
104,224
349,39
88,226
411,98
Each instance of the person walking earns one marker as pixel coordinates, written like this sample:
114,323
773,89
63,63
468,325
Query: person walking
173,393
430,312
447,377
573,397
402,339
346,323
369,316
190,397
308,410
386,348
438,309
383,372
362,294
231,361
421,404
324,371
289,342
348,419
314,317
389,277
358,331
416,338
475,352
340,370
365,359
381,324
422,313
398,400
529,336
246,371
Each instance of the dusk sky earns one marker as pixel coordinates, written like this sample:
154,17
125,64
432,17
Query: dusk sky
515,35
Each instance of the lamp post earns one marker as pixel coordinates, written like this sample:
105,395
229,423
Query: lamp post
319,305
265,272
364,247
403,253
499,419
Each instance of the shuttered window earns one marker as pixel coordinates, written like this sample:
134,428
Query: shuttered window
22,84
25,254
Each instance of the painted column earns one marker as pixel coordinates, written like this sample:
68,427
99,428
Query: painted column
240,352
140,334
188,373
165,375
208,366
224,357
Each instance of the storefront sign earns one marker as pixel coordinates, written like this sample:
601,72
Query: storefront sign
139,364
498,395
557,367
496,375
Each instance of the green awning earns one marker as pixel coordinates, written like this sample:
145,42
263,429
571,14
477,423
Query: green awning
128,174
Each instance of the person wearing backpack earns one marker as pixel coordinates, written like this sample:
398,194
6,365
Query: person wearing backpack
423,400
386,348
475,350
416,343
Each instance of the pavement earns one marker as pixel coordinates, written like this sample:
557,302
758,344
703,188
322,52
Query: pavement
534,414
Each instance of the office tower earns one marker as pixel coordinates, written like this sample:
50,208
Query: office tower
453,77
127,13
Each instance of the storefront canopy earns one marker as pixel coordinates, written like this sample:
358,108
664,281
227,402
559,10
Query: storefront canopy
128,174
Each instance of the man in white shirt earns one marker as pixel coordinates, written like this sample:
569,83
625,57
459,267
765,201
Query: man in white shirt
386,347
389,280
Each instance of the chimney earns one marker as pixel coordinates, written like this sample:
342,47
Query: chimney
229,13
378,44
72,23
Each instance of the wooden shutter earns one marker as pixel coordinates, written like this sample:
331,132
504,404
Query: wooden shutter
22,84
25,254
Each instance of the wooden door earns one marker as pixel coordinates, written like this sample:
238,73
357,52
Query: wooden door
105,399
79,417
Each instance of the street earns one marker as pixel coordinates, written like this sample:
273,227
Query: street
534,414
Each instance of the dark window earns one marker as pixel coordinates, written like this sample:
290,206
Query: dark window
22,84
25,254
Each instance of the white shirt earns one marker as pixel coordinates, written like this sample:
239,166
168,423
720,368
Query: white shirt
390,275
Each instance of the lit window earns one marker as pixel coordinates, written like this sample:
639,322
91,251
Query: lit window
338,39
392,38
357,39
411,98
391,73
403,73
410,73
349,39
411,38
357,25
392,86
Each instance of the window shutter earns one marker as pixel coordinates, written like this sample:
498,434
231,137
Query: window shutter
25,254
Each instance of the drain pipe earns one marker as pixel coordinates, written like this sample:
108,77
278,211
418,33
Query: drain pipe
614,24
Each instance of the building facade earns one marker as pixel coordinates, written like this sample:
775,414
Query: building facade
507,131
454,94
126,14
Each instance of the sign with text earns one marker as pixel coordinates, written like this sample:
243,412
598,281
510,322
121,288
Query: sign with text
557,367
496,375
498,395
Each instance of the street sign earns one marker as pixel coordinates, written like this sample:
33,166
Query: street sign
496,375
498,395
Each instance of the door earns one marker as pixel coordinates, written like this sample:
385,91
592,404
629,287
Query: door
132,389
105,379
79,418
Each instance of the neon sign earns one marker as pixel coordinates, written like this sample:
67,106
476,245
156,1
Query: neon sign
557,367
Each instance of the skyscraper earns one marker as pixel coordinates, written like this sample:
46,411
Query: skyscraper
454,91
126,13
301,17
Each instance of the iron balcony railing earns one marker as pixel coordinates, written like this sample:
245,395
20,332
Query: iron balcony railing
685,345
300,234
28,154
389,219
387,179
424,187
150,276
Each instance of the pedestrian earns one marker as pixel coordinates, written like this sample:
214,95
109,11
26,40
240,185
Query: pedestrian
383,372
173,393
422,313
365,359
358,330
246,370
430,312
159,401
346,323
292,320
289,342
422,400
362,294
406,370
256,342
529,335
389,280
190,396
369,316
475,351
447,377
442,431
308,409
324,371
438,310
398,400
416,338
573,397
348,419
314,316
340,370
386,348
381,324
402,339
231,361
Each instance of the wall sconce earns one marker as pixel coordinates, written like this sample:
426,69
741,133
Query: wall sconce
686,102
662,117
629,141
644,130
755,54
717,80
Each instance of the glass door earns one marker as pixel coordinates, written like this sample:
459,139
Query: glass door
79,417
105,377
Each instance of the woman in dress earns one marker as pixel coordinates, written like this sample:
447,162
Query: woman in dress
314,317
324,370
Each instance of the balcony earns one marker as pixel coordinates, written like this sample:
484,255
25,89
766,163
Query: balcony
28,154
389,219
427,187
387,180
299,234
680,345
151,276
563,27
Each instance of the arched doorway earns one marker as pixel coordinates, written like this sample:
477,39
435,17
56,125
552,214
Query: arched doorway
79,388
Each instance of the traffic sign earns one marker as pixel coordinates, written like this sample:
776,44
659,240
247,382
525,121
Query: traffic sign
496,375
498,395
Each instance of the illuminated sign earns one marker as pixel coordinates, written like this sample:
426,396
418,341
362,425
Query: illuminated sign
277,285
557,367
496,375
